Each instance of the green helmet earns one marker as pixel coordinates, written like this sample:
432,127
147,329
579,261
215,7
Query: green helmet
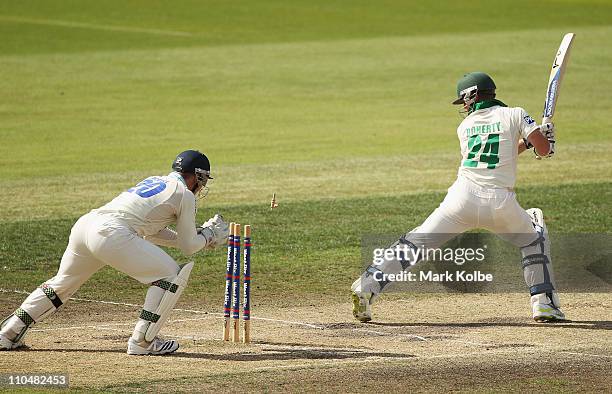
472,83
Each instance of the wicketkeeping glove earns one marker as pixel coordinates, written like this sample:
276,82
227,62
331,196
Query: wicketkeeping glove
215,230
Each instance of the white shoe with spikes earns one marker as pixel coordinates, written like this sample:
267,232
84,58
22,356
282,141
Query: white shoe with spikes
157,347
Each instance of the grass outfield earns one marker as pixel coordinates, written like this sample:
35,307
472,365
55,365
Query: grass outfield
307,247
342,110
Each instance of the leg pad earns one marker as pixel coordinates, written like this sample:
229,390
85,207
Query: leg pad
174,288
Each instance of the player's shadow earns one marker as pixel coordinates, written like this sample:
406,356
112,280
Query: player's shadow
279,354
579,324
244,354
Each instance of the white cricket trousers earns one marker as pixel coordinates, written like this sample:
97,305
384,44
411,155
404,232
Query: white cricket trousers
469,206
95,241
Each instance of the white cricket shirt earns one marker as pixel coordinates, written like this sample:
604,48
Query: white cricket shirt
489,144
152,205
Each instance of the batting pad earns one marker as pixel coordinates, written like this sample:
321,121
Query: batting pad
537,265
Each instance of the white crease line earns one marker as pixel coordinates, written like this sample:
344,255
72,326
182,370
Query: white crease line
382,333
587,354
100,327
289,322
420,338
81,25
107,328
14,291
306,347
107,325
105,302
220,315
475,343
213,314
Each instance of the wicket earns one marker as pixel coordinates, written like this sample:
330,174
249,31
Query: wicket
231,307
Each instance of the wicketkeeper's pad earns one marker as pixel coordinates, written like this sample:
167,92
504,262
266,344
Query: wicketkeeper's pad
173,289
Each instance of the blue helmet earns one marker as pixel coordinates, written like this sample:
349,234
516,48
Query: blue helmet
193,161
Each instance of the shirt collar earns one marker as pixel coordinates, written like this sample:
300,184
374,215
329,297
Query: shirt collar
488,104
178,177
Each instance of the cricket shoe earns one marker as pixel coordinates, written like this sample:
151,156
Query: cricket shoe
545,312
362,306
157,347
7,344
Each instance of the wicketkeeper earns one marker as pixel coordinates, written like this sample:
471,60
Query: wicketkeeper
491,138
122,234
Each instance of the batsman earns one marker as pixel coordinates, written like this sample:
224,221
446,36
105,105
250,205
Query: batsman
124,234
491,137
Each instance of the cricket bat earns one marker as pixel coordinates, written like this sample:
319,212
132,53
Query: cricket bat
556,76
554,80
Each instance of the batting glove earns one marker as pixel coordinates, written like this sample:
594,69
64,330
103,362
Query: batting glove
215,231
548,130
